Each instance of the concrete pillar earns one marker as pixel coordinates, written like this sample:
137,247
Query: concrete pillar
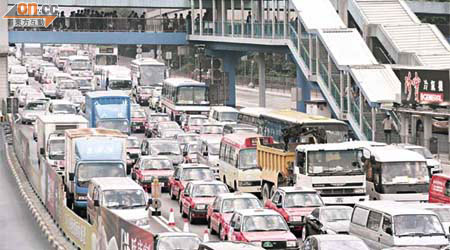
192,17
414,139
214,16
304,86
4,86
404,127
262,18
427,132
343,10
232,18
262,79
253,18
361,106
201,16
224,18
230,60
273,19
374,123
242,18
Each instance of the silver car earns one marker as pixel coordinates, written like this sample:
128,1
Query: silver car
32,110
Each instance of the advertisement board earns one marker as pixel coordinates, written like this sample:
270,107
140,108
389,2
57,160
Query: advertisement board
424,87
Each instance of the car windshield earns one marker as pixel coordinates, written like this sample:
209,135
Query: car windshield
442,213
133,143
194,148
258,223
64,109
209,190
170,133
211,130
228,116
35,106
83,82
187,138
80,65
336,214
423,151
160,118
156,164
197,95
120,84
213,148
178,243
343,245
417,225
247,158
87,171
56,149
121,125
19,70
231,205
197,121
404,173
77,99
337,162
138,114
196,174
123,198
302,199
165,148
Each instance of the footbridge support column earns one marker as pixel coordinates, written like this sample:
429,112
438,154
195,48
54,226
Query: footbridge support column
4,87
261,79
303,91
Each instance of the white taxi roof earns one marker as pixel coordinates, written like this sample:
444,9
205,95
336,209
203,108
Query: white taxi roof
299,189
150,157
60,101
198,116
259,211
115,183
211,182
74,58
236,195
193,165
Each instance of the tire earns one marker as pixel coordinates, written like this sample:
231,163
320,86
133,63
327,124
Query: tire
235,188
191,220
304,233
266,191
183,215
220,232
172,197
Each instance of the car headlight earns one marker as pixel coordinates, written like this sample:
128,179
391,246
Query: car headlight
291,243
256,243
296,218
82,198
359,190
200,206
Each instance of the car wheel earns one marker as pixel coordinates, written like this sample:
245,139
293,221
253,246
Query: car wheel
183,215
304,234
172,196
221,236
191,220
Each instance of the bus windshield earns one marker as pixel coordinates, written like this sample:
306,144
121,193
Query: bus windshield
120,84
228,116
247,158
197,95
336,162
404,173
151,74
106,59
80,65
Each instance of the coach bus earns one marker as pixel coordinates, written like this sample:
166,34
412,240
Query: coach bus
183,95
273,122
147,72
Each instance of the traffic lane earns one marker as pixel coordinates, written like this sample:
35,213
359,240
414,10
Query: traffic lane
251,99
20,228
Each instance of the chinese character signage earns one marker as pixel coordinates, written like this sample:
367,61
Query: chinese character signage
424,87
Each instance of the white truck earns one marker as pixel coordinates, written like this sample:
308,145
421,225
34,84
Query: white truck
49,135
91,153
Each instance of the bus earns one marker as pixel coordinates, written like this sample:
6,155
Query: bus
105,55
147,72
273,123
238,166
184,96
251,115
117,77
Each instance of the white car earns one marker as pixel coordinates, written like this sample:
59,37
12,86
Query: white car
22,92
60,107
17,77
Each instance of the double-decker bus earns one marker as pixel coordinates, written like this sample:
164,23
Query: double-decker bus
273,123
183,95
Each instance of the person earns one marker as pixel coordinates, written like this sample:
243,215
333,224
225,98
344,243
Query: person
142,22
189,22
62,21
181,23
175,23
387,126
166,22
197,23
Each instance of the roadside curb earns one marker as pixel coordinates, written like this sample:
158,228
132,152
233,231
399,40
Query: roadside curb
267,92
34,211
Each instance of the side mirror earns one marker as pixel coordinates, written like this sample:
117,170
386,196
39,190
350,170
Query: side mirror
42,151
185,153
237,228
177,178
389,231
71,176
205,153
279,205
96,203
215,210
186,194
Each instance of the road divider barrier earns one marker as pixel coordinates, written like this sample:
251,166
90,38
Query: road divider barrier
171,218
206,236
186,226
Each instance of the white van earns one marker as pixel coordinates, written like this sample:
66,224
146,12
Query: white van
223,115
122,195
383,224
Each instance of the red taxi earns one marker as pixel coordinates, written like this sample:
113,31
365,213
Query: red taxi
185,173
261,227
197,196
193,123
294,203
138,120
220,212
148,168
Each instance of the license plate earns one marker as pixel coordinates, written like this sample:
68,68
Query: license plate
339,200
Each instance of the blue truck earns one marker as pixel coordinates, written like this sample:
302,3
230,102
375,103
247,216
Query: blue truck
91,153
108,109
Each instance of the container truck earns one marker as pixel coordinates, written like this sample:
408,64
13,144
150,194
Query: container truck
49,135
108,109
91,153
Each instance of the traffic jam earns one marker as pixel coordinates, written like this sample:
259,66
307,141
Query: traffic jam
132,143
